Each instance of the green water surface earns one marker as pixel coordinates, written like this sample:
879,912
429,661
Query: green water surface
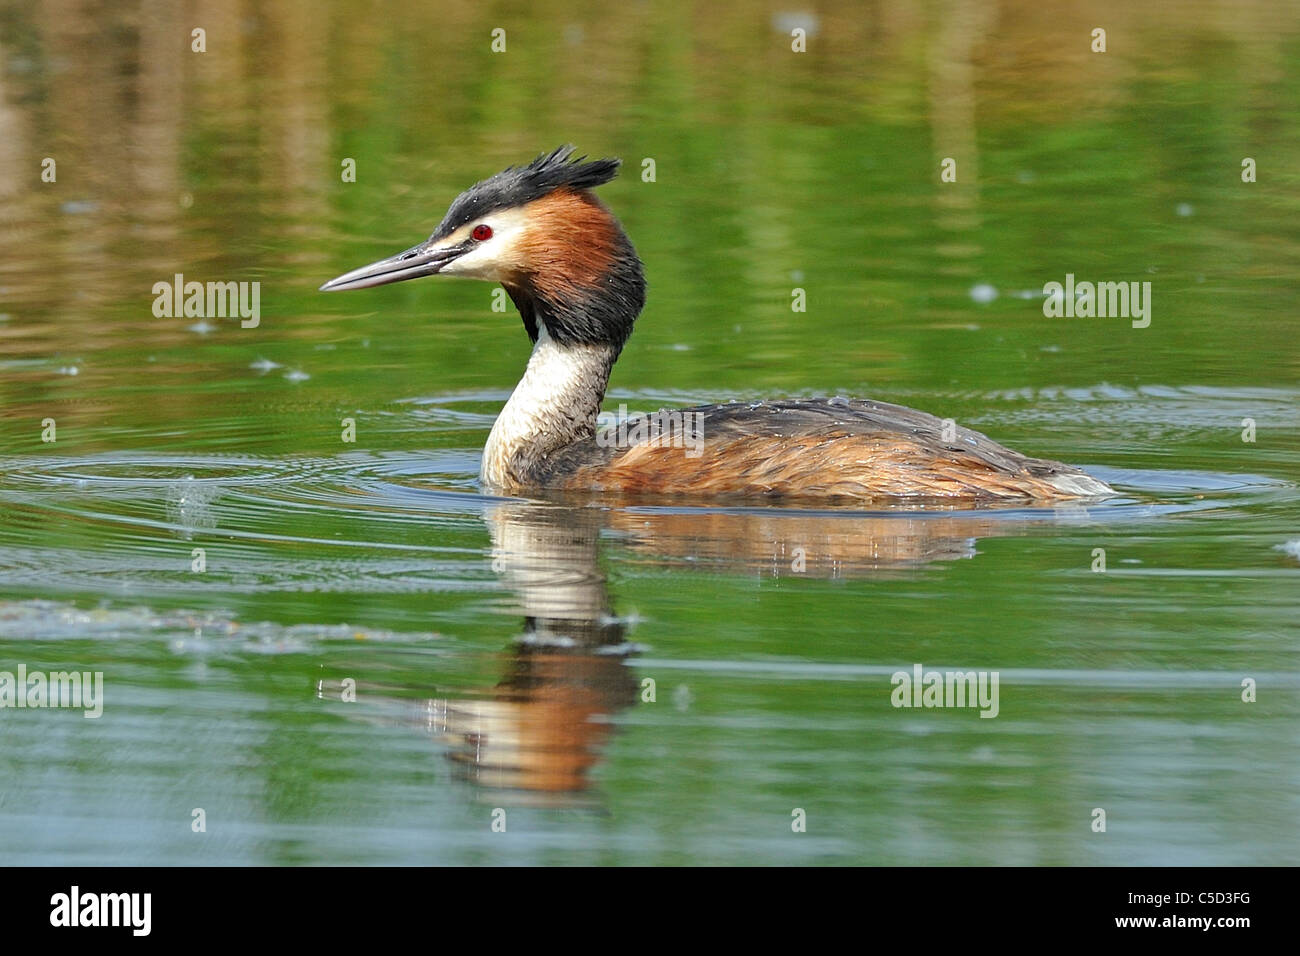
660,684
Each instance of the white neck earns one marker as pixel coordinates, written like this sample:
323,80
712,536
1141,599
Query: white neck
554,405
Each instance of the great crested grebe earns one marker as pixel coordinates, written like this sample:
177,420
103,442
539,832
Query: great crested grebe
578,285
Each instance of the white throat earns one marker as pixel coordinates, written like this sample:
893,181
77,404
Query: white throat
554,405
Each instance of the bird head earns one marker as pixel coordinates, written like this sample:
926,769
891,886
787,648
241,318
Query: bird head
539,231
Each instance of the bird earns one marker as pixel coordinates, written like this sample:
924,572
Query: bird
578,284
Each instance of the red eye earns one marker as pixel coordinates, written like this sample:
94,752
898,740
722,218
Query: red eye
482,232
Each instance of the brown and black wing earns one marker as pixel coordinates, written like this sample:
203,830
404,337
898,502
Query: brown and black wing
818,449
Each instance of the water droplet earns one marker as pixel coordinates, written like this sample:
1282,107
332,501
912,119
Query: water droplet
783,21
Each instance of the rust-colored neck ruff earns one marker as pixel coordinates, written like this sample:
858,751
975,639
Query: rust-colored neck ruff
570,245
574,272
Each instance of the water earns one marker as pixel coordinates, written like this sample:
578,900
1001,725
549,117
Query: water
376,658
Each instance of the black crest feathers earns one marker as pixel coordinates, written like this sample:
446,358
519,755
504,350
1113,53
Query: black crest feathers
517,185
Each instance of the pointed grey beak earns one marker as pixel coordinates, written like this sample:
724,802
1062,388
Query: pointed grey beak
425,259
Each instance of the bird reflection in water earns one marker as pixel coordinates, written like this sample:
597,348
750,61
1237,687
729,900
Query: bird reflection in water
536,736
541,729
